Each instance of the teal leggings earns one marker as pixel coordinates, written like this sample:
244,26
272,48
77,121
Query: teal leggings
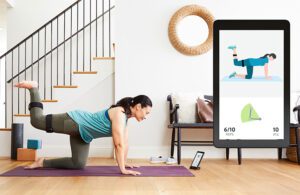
61,123
244,63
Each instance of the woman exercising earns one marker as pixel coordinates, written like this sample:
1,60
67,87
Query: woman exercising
83,127
249,63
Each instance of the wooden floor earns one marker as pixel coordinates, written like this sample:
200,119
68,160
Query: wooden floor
215,177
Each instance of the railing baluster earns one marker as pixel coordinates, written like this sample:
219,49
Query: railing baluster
2,87
77,36
96,28
57,52
102,28
5,86
38,73
1,84
83,7
12,88
64,75
109,42
25,110
71,48
18,79
90,57
32,58
51,59
45,67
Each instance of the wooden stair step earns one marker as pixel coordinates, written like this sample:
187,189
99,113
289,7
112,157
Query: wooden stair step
22,115
103,58
65,86
85,72
49,101
5,129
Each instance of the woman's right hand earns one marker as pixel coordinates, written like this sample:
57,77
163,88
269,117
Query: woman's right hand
130,172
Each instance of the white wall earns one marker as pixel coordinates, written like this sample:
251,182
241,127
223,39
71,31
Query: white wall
146,63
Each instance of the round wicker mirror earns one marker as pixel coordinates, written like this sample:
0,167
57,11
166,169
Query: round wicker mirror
178,16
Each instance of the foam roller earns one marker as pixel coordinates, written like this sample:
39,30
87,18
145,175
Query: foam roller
16,139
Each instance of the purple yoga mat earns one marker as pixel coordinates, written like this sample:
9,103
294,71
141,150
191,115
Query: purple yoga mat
114,171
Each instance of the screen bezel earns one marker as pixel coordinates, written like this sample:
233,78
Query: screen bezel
251,25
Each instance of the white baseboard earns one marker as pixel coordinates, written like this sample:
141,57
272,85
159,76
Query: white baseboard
210,152
146,152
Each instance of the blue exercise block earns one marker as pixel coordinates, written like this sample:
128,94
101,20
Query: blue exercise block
34,144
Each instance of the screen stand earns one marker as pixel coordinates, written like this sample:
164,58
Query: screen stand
239,153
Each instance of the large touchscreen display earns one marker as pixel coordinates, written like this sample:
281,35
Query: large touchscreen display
251,80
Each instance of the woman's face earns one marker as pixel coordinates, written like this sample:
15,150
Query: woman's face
141,113
270,58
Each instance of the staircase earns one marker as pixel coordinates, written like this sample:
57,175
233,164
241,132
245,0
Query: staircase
71,57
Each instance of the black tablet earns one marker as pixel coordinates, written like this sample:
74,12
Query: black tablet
251,61
197,160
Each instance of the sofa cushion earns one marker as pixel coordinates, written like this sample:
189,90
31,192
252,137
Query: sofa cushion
187,112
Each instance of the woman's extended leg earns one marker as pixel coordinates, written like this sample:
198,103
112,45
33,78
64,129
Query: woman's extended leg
236,62
61,123
233,48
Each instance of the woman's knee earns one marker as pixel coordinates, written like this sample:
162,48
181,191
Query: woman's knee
236,62
248,76
79,164
38,122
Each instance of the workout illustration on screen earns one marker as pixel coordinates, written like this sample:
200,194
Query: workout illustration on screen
250,63
249,114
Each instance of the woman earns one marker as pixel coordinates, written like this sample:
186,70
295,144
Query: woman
249,63
83,127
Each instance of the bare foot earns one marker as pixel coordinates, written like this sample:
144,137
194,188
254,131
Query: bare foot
37,164
27,84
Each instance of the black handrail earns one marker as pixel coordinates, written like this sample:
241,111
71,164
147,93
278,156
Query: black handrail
28,37
41,57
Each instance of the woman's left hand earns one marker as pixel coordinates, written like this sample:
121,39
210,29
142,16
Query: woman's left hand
131,166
